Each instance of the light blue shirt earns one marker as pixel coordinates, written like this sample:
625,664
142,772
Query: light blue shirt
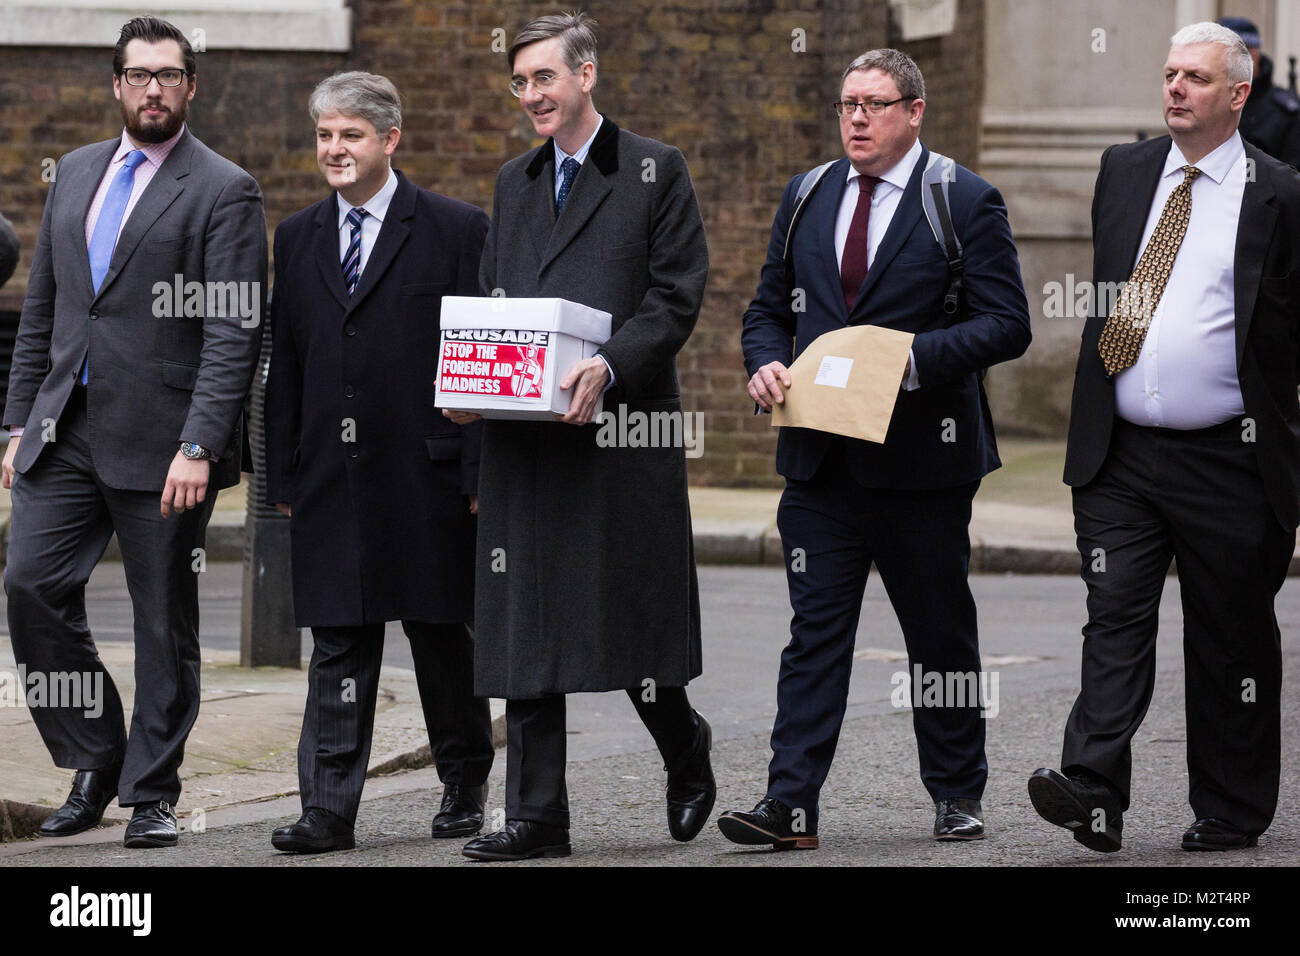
580,155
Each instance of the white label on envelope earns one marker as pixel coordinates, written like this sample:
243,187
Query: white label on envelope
834,370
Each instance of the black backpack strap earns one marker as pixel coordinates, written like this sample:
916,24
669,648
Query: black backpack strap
939,172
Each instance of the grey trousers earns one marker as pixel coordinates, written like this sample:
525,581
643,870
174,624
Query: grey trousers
63,517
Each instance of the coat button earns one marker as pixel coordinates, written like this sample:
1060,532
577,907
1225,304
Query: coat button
94,315
348,391
349,329
354,453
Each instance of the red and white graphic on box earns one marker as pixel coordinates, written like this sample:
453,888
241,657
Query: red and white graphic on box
488,368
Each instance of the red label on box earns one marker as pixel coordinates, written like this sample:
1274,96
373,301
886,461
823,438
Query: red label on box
479,368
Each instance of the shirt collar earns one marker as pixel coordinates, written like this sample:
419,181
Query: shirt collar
1215,164
376,206
154,153
581,154
900,174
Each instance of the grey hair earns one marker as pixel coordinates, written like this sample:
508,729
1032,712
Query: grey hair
1240,68
368,95
577,33
895,63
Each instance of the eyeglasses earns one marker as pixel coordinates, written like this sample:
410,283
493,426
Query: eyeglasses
871,107
169,77
541,83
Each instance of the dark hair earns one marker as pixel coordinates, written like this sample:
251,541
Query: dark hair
577,33
151,30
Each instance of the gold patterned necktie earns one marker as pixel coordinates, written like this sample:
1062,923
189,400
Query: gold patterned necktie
1126,329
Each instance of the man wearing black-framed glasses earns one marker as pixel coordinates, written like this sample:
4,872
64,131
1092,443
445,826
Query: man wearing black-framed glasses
136,408
864,254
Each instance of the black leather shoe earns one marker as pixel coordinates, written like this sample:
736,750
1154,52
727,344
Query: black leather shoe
1208,833
691,787
317,831
152,824
92,792
461,813
771,822
956,819
520,840
1084,804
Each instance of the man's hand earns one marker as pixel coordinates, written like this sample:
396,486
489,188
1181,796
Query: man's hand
284,508
8,480
459,417
473,504
187,484
765,386
588,380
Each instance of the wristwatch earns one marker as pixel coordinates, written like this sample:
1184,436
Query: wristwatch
195,452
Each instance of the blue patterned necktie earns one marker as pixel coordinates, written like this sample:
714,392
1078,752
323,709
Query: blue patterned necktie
569,169
104,239
352,258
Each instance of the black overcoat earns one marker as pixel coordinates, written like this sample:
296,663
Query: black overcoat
377,477
586,568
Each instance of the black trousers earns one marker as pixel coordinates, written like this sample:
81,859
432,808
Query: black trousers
63,518
339,720
1197,498
536,744
832,530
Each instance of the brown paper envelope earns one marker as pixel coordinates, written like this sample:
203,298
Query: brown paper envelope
846,382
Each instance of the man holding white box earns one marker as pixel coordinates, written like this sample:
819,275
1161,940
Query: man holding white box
586,570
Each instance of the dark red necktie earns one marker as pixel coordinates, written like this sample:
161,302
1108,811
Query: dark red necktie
853,265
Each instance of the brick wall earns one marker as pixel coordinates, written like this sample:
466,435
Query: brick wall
721,79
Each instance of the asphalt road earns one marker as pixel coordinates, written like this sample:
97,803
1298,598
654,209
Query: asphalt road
873,811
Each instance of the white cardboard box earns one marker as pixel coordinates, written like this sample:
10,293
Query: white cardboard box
504,358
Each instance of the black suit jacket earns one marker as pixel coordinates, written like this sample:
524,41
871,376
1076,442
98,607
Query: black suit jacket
377,477
941,434
1266,269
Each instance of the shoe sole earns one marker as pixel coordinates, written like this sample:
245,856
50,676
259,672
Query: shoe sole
147,843
1056,805
463,831
1196,846
555,850
299,846
747,834
68,833
954,838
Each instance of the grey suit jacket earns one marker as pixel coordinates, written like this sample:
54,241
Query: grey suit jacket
165,366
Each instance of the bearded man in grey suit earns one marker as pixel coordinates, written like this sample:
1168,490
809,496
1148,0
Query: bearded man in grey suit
135,351
599,589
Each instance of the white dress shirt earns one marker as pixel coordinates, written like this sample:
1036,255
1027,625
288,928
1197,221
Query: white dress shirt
884,203
377,208
1186,374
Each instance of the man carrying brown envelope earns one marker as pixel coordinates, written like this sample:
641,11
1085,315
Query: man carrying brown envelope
864,254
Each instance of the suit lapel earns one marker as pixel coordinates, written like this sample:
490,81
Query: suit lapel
1254,233
906,215
161,192
539,198
393,233
81,193
589,190
828,199
327,249
1141,191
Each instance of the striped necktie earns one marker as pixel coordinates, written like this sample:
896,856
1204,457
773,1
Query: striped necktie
352,258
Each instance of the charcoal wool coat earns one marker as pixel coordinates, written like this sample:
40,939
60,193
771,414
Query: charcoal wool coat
376,476
586,570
